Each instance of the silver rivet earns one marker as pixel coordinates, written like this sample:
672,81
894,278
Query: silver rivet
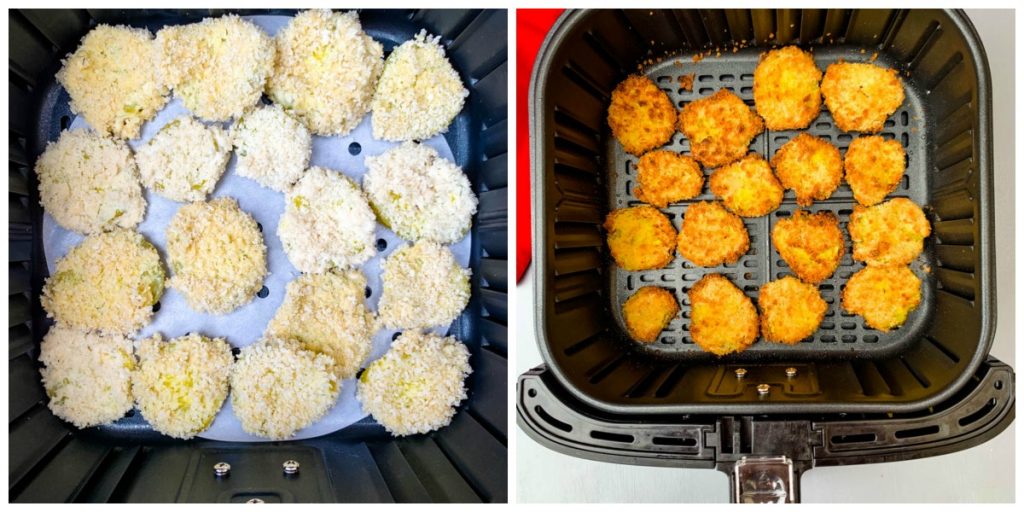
740,373
790,372
290,467
221,468
255,500
763,389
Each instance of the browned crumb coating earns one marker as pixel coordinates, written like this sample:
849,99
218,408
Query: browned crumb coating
641,115
861,96
648,311
722,319
748,187
665,177
640,237
884,296
786,90
890,233
720,128
791,310
711,235
810,166
811,244
874,167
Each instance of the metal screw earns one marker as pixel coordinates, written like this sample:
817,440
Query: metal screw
290,467
763,389
255,500
221,469
791,372
740,373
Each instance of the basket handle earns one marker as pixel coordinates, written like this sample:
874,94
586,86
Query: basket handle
760,479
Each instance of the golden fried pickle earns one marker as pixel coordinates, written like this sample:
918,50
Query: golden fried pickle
665,177
722,319
648,311
861,96
786,90
720,128
884,296
641,115
791,310
640,237
874,168
711,235
890,233
748,187
810,166
811,244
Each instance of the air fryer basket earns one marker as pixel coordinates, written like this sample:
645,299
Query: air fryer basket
845,367
465,462
849,394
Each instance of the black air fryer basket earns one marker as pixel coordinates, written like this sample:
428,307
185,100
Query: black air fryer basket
51,461
847,395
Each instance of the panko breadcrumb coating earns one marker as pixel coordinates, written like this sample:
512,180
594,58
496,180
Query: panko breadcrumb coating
89,183
277,388
641,115
648,311
891,233
786,90
419,194
874,168
748,187
419,93
640,237
112,81
327,222
416,386
216,254
272,147
326,313
326,70
711,235
107,283
87,375
810,166
218,67
791,310
423,287
884,296
665,177
181,384
722,319
720,128
811,244
184,160
861,96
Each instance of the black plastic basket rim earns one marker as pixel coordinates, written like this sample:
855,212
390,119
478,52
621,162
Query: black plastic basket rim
538,82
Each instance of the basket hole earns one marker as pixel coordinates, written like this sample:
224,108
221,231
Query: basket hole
979,414
259,227
395,336
263,292
156,307
727,78
828,338
917,432
999,384
848,338
354,149
871,338
381,244
235,351
531,392
674,441
610,436
368,292
65,122
130,414
560,425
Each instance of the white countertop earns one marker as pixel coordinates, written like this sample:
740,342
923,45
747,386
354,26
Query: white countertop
981,474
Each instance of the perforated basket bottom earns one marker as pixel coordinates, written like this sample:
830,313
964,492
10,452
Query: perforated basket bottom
841,334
